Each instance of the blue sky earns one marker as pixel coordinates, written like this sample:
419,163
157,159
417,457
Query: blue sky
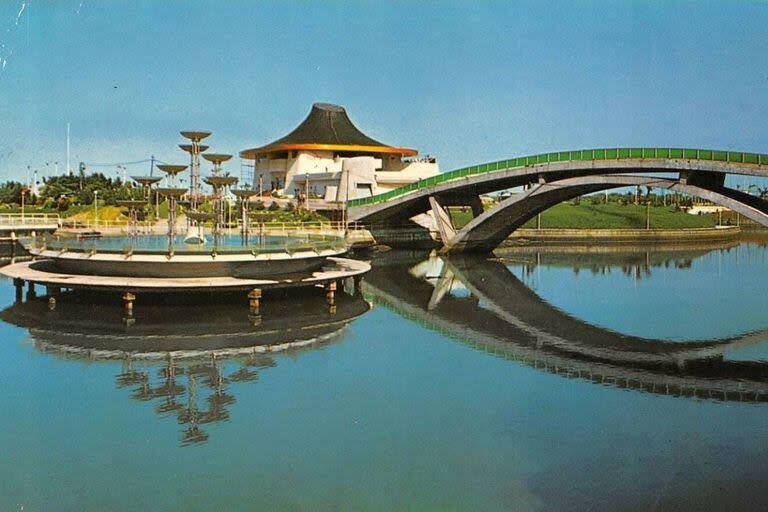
466,81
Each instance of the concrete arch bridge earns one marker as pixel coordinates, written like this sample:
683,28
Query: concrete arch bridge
552,178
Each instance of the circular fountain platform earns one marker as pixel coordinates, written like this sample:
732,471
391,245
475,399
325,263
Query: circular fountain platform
163,257
44,272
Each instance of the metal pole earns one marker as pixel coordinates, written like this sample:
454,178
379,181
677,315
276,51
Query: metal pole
647,215
194,182
69,169
192,198
346,206
171,215
229,216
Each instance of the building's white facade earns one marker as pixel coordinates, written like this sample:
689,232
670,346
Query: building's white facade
318,173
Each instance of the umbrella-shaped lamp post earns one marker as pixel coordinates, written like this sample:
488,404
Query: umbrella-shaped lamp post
194,149
216,159
146,183
245,198
219,183
173,194
133,205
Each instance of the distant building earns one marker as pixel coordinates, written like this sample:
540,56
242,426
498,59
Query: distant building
326,153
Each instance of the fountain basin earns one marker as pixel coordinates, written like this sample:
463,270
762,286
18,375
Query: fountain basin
161,257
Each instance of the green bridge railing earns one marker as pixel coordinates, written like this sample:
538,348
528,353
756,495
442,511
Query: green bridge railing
564,156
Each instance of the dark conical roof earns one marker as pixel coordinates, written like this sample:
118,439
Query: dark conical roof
327,127
327,124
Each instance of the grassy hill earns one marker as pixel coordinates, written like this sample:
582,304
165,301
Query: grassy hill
607,216
106,213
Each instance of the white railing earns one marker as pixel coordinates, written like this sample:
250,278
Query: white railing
29,219
161,226
295,228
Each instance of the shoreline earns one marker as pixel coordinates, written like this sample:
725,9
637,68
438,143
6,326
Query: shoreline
525,236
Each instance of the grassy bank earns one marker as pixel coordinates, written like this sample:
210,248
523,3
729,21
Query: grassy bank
607,216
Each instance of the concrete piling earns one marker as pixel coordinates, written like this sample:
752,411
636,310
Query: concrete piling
31,293
330,292
128,299
254,300
254,319
19,284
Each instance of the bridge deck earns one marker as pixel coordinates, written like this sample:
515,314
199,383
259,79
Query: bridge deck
686,156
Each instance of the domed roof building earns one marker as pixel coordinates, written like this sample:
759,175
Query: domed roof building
327,147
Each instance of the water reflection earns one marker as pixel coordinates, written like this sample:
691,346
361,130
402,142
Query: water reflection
482,303
636,262
187,359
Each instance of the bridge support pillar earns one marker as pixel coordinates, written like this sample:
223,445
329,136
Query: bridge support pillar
443,221
707,180
477,206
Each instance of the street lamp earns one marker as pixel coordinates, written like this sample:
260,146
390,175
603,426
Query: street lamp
95,209
647,214
23,193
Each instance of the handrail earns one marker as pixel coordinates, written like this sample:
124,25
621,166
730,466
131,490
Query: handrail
576,155
127,245
327,225
23,219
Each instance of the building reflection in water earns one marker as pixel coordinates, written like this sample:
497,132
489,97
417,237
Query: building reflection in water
187,359
480,302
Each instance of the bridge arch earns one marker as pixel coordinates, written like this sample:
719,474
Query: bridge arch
486,231
699,167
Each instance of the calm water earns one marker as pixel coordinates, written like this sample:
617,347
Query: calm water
538,381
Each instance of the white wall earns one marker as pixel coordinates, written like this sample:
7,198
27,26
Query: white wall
291,172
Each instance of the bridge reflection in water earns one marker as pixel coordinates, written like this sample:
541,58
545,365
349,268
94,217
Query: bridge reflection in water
185,359
480,302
